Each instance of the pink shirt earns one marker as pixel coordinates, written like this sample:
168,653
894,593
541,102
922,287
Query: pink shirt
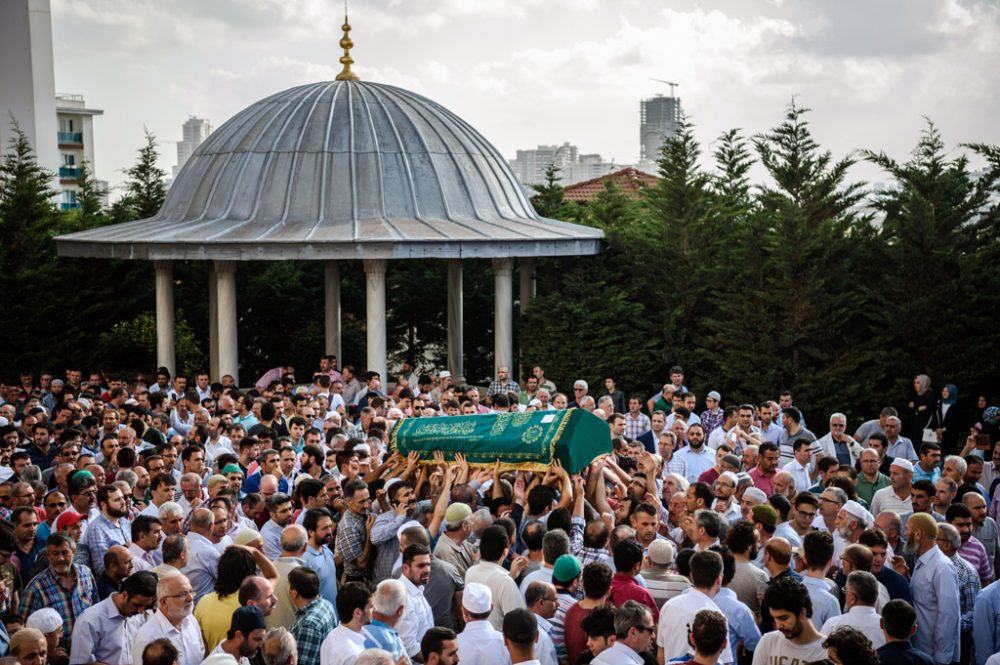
762,481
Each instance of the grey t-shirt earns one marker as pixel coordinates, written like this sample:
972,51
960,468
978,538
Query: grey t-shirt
868,428
775,649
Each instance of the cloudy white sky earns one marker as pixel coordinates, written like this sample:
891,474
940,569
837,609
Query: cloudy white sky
526,72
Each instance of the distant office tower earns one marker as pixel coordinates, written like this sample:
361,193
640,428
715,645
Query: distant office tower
195,130
659,120
529,166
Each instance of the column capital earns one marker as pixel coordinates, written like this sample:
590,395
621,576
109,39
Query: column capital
224,266
503,265
163,265
375,266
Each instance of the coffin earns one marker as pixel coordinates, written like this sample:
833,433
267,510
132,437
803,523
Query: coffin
527,441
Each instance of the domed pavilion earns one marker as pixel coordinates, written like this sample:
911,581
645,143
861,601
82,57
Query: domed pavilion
336,171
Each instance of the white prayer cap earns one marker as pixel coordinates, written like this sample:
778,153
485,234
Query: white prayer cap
857,511
902,463
755,494
477,598
47,620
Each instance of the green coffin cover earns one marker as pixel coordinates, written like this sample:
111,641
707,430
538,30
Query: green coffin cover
527,441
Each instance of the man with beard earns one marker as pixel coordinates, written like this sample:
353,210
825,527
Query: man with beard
934,586
767,464
960,517
279,506
318,556
795,638
897,497
67,587
110,527
402,501
173,621
852,520
696,456
749,582
417,618
246,634
725,488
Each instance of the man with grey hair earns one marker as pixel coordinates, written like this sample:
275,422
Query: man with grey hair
708,528
172,516
838,444
375,657
279,648
175,555
634,630
555,543
948,541
293,546
899,445
861,593
542,599
954,467
203,557
830,502
389,604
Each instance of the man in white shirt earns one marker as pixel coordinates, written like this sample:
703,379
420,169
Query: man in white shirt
173,621
896,497
800,465
678,612
480,642
634,628
543,602
520,633
105,631
203,557
493,546
346,641
795,638
861,591
418,618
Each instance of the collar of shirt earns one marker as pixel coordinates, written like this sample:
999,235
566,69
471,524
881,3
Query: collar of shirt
862,609
411,588
544,623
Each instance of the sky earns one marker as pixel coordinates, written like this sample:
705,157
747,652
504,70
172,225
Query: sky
529,72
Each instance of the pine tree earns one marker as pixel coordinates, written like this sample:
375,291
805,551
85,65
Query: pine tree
550,201
144,191
90,214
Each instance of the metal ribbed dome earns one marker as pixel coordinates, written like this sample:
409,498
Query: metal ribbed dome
341,169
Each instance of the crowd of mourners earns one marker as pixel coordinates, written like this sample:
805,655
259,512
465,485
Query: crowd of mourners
165,522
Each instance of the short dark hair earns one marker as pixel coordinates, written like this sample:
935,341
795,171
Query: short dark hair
596,580
352,596
704,492
818,548
923,485
956,511
788,594
312,517
160,652
794,414
493,542
413,551
305,581
741,537
533,534
143,524
520,627
873,538
434,639
142,583
852,646
928,447
709,631
600,622
627,553
706,567
899,617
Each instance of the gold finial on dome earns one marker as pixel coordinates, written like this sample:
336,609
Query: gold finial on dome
346,60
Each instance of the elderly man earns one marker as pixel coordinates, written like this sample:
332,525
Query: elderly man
838,444
852,520
948,540
898,445
861,592
896,497
830,502
67,587
203,556
172,620
935,590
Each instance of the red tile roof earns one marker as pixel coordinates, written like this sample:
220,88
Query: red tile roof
630,182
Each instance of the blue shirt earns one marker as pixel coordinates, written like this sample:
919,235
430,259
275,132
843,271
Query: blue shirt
825,604
380,636
321,560
742,627
934,587
986,623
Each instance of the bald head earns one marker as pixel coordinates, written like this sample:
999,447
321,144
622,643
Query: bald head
780,551
293,540
202,521
268,484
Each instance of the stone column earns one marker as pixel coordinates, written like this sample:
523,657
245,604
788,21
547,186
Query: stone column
503,325
165,354
456,362
225,297
527,270
332,300
213,326
375,324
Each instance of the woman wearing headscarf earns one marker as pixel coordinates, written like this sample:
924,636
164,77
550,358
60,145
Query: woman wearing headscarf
921,406
947,420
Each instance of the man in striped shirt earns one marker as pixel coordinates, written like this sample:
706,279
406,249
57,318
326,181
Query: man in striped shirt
960,517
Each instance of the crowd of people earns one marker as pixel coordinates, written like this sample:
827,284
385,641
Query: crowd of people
162,522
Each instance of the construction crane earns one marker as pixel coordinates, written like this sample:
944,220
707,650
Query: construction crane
672,85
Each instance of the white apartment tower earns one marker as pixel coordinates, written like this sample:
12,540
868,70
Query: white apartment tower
195,130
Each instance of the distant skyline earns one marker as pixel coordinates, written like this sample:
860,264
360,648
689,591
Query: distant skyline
530,72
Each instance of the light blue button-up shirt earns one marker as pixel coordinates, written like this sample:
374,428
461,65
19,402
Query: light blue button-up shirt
986,623
742,627
321,560
934,586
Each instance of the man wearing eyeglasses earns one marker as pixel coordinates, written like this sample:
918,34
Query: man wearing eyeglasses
173,620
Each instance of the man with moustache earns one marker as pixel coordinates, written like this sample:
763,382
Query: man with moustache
320,527
172,620
696,456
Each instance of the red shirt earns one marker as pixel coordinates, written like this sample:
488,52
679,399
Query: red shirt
573,633
762,481
624,587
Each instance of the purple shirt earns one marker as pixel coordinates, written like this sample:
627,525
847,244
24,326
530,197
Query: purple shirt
973,551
